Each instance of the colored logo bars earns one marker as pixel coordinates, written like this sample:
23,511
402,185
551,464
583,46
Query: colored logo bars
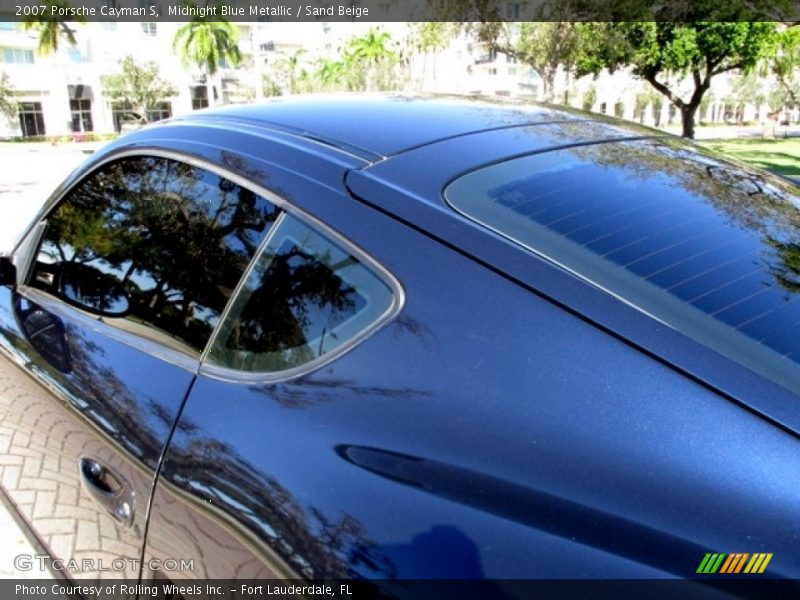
733,563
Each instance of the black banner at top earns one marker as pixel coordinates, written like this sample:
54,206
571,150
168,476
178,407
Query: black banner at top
401,10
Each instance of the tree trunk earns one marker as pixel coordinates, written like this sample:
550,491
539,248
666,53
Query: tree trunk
688,109
688,112
548,84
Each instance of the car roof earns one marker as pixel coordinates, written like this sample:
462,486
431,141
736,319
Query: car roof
374,126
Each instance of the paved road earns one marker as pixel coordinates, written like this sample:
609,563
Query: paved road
29,174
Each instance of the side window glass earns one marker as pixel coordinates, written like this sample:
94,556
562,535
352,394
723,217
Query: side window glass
153,245
305,297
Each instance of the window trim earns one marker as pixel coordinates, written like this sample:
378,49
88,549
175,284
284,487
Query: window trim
98,325
398,299
176,357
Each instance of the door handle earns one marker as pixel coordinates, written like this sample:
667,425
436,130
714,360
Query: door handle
109,490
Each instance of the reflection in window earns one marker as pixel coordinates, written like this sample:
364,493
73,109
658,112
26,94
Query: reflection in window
175,237
705,247
305,297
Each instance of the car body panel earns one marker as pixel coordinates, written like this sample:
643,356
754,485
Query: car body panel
523,462
401,188
380,126
512,421
74,395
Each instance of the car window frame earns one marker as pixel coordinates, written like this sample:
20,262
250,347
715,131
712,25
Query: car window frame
398,297
757,363
28,247
232,374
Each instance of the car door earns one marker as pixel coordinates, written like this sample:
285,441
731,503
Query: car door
483,431
309,298
119,287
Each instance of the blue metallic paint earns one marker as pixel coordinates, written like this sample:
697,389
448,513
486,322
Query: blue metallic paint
512,421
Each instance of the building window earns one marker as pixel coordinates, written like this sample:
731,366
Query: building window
81,111
76,56
162,110
31,119
122,114
149,28
199,97
19,56
512,71
492,71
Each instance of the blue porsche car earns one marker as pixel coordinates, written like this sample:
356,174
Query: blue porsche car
397,338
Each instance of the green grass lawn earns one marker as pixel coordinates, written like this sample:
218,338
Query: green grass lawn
778,156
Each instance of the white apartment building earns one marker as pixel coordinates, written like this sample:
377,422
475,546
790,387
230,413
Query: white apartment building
61,94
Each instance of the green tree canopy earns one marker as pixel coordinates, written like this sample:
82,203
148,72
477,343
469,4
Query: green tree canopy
8,106
207,43
371,48
331,73
543,46
51,28
366,63
429,37
658,50
786,64
292,72
138,87
370,53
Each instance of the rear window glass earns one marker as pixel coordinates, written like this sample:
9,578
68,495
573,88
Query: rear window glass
708,248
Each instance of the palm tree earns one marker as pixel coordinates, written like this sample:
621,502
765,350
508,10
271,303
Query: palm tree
51,28
331,73
207,43
289,66
371,50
